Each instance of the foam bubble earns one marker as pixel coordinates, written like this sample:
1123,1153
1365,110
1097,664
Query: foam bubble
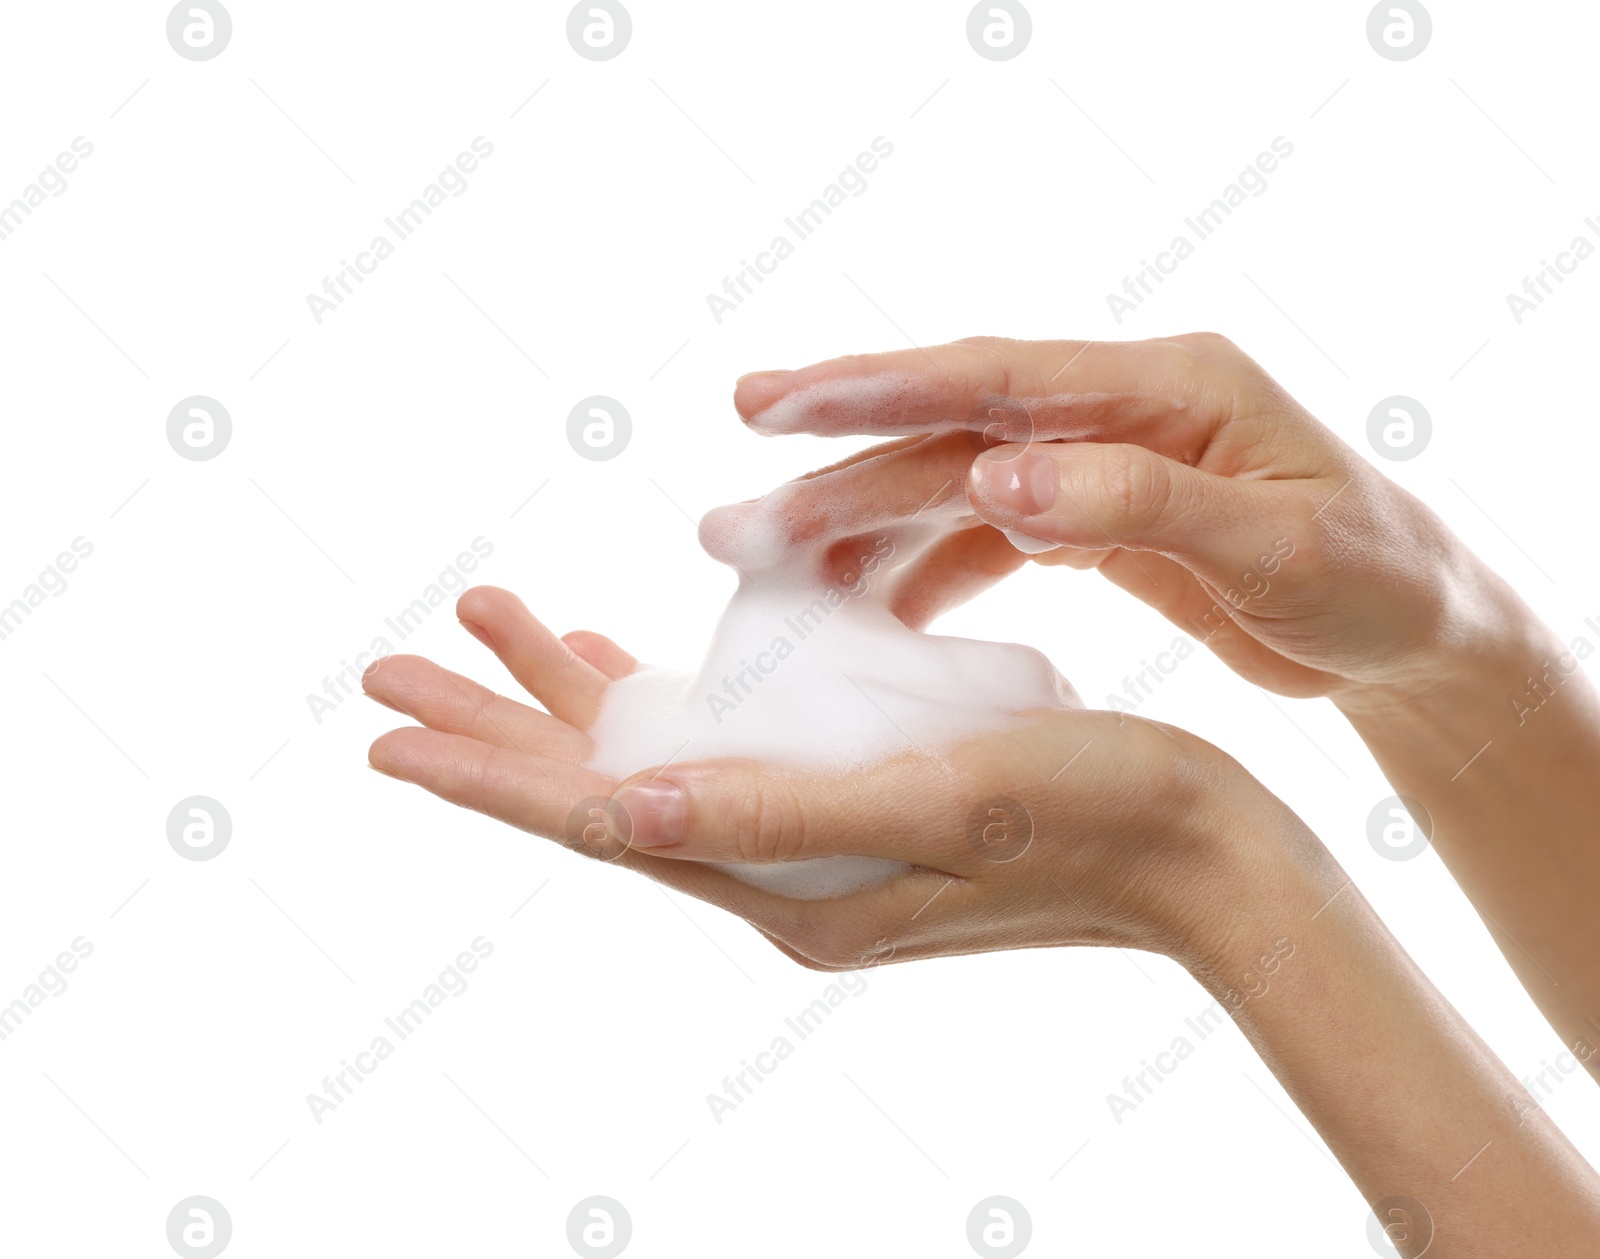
841,398
808,673
1028,545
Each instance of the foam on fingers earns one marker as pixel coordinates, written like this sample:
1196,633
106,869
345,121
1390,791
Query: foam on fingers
809,669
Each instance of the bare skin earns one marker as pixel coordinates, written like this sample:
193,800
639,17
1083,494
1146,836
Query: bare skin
1111,830
1185,475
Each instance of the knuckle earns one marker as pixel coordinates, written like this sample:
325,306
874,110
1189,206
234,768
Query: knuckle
1133,485
1211,343
997,351
767,823
983,343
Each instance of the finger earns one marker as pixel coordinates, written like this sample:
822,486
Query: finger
1221,626
601,652
531,792
952,571
1100,497
905,494
745,813
1171,394
539,798
566,684
446,701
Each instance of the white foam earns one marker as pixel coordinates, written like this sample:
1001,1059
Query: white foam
812,675
802,410
1027,545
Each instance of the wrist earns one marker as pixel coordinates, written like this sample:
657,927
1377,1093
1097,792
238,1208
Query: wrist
1261,866
1485,641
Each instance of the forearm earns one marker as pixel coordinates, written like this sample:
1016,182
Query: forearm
1503,751
1406,1096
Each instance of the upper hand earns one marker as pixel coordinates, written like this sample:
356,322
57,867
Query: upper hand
1179,469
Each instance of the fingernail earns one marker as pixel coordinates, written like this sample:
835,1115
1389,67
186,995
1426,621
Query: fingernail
657,813
1025,484
478,632
778,371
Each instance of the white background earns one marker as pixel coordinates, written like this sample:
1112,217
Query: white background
406,424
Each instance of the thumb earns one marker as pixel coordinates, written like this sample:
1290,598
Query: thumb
1097,496
738,811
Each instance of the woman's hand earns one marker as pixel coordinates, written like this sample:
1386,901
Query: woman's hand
1187,476
1072,828
1182,472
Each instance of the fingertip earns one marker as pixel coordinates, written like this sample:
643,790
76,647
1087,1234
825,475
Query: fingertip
601,652
384,753
651,814
484,601
755,392
1012,482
